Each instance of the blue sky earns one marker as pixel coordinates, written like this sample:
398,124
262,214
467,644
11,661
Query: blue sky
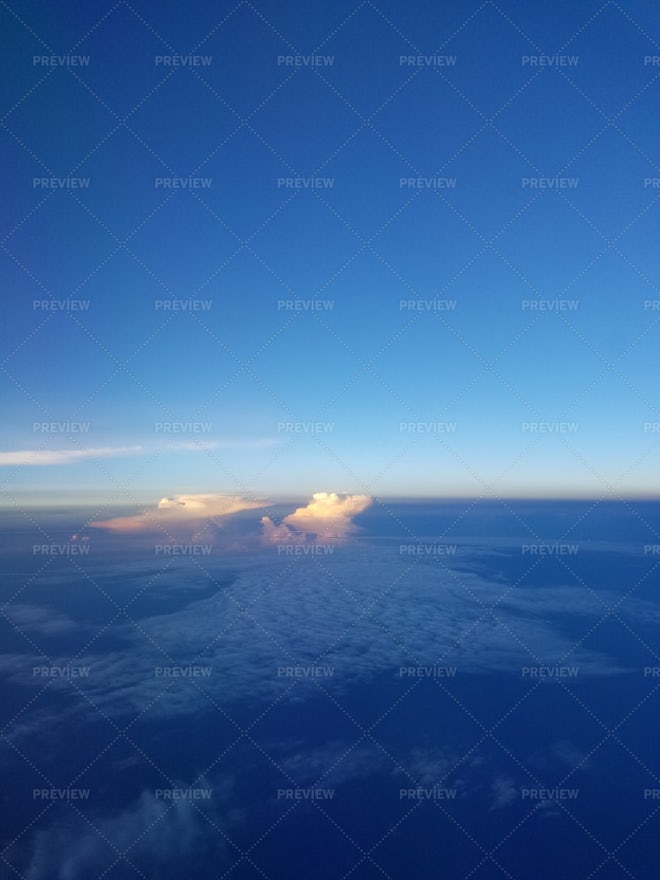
374,248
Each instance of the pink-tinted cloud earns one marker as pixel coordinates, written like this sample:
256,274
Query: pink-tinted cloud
180,510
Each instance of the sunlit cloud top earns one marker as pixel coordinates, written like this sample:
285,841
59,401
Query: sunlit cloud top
327,515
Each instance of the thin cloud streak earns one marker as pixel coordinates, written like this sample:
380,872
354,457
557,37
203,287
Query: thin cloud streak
42,457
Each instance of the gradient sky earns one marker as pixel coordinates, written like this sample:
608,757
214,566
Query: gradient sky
527,363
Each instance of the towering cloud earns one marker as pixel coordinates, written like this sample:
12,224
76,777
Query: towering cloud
327,515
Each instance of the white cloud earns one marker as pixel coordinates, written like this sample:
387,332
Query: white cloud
63,456
180,510
327,516
42,457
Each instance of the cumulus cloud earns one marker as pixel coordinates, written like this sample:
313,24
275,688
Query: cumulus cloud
327,516
180,510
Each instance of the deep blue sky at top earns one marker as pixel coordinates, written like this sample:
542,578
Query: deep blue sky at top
475,119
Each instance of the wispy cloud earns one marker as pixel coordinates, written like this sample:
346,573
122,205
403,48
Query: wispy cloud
164,836
42,457
504,792
261,443
64,456
333,763
34,618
